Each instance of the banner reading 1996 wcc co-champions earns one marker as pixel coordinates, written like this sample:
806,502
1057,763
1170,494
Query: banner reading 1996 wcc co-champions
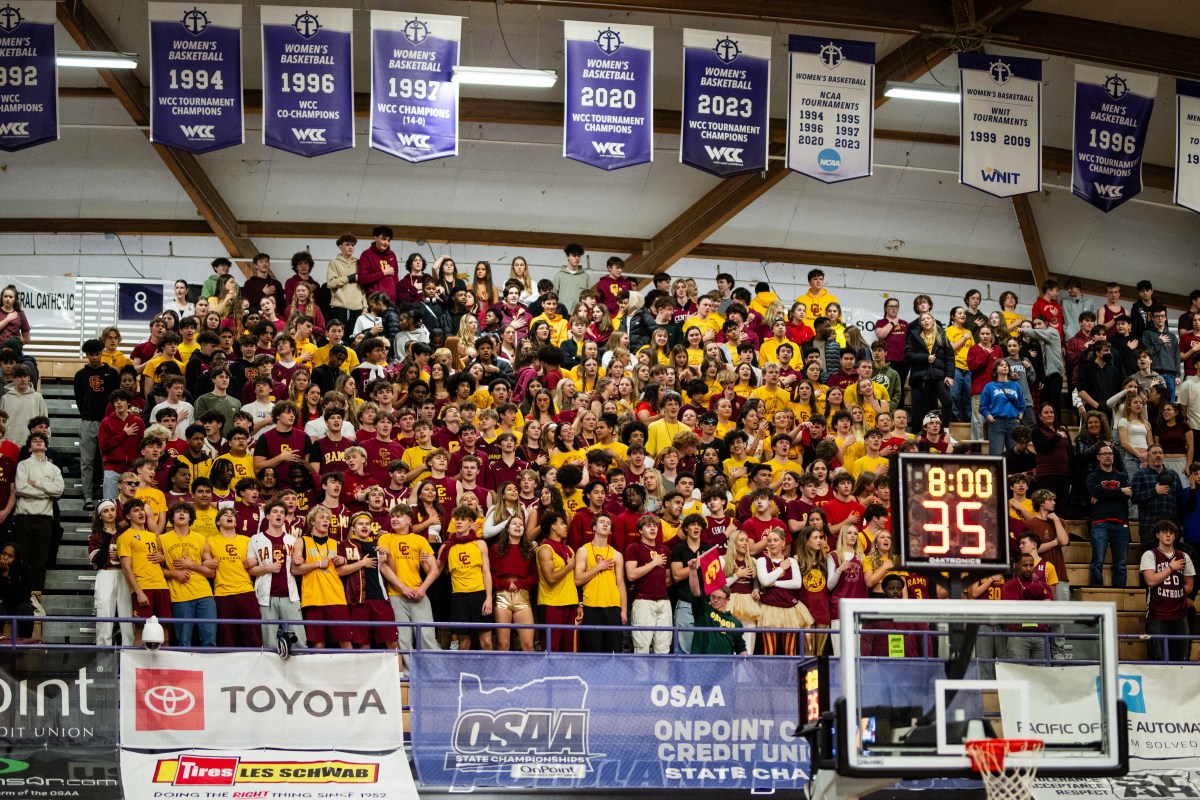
308,79
609,94
1000,124
1112,116
726,90
28,76
831,104
1187,144
195,76
414,99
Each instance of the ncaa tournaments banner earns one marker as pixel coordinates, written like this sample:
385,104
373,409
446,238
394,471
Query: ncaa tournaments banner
726,92
28,76
1000,124
1187,144
609,104
567,722
1112,115
414,99
308,79
831,107
195,76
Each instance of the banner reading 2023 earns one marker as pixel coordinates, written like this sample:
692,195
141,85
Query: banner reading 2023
609,94
195,76
726,91
831,103
308,79
414,99
28,76
1000,124
1112,116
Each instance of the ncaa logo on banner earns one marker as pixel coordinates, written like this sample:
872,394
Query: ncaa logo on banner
169,700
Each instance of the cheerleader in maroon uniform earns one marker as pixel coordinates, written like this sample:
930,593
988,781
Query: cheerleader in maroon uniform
779,577
815,565
848,578
741,577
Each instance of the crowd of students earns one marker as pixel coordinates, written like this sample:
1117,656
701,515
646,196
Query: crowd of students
429,444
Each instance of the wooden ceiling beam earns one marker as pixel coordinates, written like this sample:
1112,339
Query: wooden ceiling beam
123,227
476,236
1032,239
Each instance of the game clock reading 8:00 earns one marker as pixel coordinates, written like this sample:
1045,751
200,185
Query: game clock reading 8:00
952,511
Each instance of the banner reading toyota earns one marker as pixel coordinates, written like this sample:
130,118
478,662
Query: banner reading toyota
1000,124
308,79
726,92
414,99
1187,144
831,107
28,76
1112,116
196,76
609,94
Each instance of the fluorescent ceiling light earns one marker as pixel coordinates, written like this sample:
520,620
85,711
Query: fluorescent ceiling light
500,76
96,59
922,91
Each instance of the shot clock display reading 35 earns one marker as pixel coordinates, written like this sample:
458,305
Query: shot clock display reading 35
950,511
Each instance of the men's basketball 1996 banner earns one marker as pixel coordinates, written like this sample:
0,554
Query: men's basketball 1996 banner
414,99
831,103
308,79
1000,124
28,76
726,89
1112,115
195,76
609,94
1187,144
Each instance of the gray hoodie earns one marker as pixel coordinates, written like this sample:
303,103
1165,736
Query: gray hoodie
568,285
21,407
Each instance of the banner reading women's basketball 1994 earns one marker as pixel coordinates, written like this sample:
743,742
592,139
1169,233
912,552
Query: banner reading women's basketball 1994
831,104
726,90
1112,116
609,94
1187,144
1000,124
28,76
195,76
414,99
308,79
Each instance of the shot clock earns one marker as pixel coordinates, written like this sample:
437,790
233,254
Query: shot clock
950,511
813,690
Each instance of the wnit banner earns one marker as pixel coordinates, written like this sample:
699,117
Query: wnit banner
195,76
831,105
28,76
609,94
1112,116
1000,124
308,79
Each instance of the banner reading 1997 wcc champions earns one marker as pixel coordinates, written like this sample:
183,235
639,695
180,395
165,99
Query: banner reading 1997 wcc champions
609,94
1187,144
1000,124
1112,116
414,99
28,76
726,92
308,79
831,105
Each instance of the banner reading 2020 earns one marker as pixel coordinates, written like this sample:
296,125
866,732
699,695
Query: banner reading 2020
831,105
1112,116
609,94
414,99
1187,144
28,76
726,92
308,79
1000,124
195,76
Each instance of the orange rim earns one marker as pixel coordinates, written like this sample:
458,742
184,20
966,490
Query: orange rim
987,755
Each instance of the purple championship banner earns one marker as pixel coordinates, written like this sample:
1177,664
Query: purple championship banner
414,99
28,76
308,79
831,108
726,92
1112,116
609,108
1187,144
195,76
1000,124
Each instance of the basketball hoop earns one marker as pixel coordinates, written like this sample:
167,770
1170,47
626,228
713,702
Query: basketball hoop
1001,783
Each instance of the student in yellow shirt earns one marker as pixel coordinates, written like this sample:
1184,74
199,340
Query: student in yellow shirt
188,573
872,462
466,557
336,331
559,326
111,336
156,502
168,350
234,586
306,351
961,341
142,559
189,345
817,298
408,556
768,352
774,396
322,595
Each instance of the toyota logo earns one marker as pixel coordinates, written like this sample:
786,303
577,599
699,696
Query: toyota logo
170,701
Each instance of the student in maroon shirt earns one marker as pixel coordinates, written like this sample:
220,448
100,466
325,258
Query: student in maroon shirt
646,567
328,454
378,268
249,515
282,444
120,436
382,450
146,350
356,479
1170,576
509,466
339,520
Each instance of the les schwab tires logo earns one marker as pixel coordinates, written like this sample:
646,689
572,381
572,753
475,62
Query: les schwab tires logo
231,770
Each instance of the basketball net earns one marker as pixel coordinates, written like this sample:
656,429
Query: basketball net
1012,782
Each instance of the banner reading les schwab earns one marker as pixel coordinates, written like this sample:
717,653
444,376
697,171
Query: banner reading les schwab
582,722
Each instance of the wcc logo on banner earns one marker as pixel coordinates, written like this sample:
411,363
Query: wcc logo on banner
726,90
609,94
195,76
1000,124
1187,144
1112,116
308,79
28,76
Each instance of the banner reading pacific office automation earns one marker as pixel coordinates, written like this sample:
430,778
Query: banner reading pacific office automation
1112,116
831,106
1000,124
29,85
